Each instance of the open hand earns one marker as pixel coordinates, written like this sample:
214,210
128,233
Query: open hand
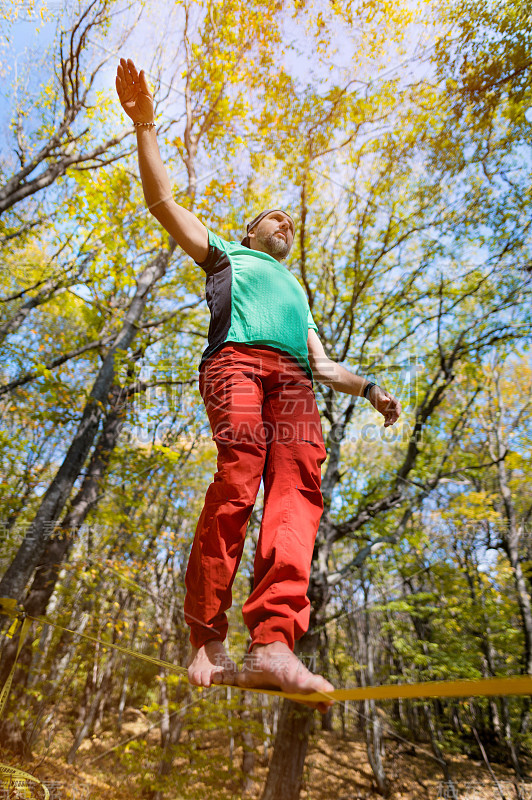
133,92
388,405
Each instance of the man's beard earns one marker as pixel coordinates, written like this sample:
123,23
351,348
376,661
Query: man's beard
274,245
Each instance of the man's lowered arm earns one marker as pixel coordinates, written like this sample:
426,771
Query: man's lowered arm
329,372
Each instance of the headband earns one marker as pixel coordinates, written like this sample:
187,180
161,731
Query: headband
250,225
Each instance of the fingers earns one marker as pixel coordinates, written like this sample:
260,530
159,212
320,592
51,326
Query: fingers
132,70
392,409
125,73
129,74
203,677
130,83
390,418
396,410
120,81
145,89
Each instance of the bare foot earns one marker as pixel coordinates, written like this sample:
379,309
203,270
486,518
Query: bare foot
211,664
275,666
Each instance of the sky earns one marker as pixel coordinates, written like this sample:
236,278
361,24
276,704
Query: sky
26,40
36,24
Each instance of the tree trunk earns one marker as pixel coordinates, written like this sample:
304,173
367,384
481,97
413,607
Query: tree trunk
90,708
476,591
248,748
509,739
68,643
27,558
512,533
284,779
511,545
125,677
267,731
171,724
435,735
57,548
373,723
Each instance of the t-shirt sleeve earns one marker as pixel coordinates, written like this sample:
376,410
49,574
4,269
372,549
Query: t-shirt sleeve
311,323
218,250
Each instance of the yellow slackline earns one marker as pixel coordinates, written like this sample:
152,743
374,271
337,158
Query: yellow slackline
9,607
518,684
515,685
13,774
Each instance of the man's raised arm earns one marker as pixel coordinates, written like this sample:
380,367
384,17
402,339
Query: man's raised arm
137,101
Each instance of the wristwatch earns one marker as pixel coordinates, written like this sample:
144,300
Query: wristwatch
367,389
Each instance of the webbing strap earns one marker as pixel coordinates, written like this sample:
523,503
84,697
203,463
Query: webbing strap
13,775
485,687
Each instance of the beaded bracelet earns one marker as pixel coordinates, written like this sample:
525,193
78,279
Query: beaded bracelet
144,124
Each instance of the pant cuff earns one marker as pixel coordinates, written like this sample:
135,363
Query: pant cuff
200,637
267,638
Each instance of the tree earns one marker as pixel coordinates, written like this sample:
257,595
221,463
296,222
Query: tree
413,246
57,147
477,298
485,61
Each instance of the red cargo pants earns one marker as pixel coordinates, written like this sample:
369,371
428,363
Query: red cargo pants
266,424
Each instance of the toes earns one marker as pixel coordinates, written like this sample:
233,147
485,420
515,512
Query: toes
226,677
326,689
324,705
209,677
316,683
193,678
206,678
199,678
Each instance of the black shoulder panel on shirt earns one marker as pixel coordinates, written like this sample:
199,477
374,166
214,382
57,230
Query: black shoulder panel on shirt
210,262
218,296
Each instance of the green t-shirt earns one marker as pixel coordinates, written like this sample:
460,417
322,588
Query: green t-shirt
253,299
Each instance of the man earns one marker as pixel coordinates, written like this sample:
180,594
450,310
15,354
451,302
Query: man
256,381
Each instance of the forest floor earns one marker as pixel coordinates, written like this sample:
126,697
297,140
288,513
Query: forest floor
336,768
